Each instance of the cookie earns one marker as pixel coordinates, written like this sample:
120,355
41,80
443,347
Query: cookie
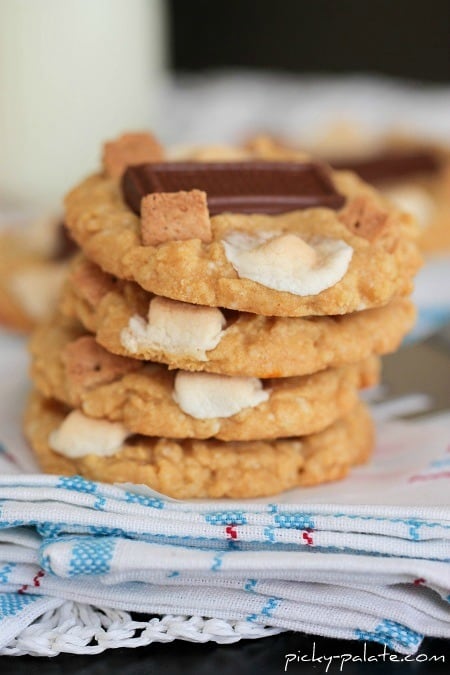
357,253
209,468
415,175
412,172
428,199
32,268
149,399
183,336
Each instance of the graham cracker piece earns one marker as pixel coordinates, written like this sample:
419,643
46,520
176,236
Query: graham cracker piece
128,150
168,216
91,282
88,365
364,217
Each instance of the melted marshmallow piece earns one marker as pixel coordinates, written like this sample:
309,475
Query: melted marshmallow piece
79,435
287,262
207,396
37,289
415,200
176,327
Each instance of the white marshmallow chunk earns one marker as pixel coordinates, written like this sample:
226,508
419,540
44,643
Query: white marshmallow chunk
175,327
207,396
287,262
79,435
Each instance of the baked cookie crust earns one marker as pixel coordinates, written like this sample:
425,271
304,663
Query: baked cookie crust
251,345
18,262
200,273
210,469
347,141
33,264
140,394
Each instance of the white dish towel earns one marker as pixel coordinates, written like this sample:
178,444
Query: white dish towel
76,557
365,558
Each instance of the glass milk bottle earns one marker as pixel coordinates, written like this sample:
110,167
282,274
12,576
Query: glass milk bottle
72,74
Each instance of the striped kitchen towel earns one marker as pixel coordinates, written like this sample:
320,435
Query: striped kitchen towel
77,556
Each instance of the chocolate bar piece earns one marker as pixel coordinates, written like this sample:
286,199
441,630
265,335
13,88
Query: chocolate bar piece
391,166
237,187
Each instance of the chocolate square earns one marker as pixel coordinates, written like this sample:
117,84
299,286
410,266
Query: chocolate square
237,187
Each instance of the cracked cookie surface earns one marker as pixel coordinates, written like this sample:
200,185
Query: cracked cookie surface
70,366
250,344
210,468
198,272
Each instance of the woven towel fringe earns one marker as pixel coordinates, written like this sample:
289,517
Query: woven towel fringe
77,628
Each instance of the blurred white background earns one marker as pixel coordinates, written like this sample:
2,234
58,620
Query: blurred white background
72,73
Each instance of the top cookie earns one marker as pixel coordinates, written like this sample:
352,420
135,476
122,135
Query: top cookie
354,252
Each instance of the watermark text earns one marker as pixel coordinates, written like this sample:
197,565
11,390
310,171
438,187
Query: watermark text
340,660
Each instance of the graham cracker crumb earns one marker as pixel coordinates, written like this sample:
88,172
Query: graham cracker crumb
92,283
168,216
364,217
128,150
88,365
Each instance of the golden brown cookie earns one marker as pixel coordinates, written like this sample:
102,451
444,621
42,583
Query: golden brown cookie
222,273
210,469
431,200
149,399
249,344
32,269
425,194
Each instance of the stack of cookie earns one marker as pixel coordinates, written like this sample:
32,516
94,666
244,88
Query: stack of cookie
219,323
